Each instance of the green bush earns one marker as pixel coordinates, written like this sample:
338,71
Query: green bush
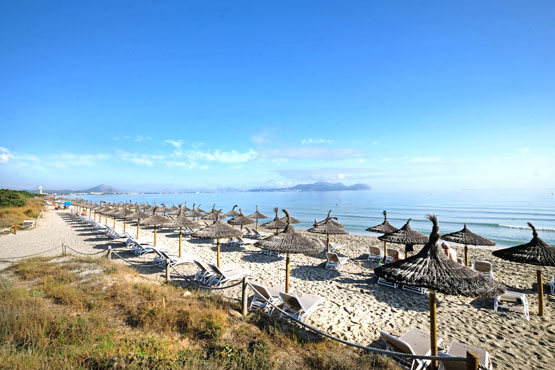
14,198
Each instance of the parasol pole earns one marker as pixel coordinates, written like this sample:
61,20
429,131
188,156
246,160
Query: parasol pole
114,222
180,237
218,247
138,229
287,261
106,219
256,227
328,242
465,254
540,292
124,225
433,328
155,235
384,251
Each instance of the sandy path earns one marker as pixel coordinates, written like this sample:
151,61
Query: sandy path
358,306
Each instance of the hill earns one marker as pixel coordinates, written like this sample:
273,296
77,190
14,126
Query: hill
105,189
318,186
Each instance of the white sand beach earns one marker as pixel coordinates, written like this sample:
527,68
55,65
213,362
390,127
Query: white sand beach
357,306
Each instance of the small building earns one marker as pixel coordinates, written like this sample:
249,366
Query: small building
40,189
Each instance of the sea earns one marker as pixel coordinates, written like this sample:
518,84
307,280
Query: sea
501,216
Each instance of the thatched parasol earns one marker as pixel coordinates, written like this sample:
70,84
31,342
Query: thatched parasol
276,224
535,252
217,231
431,268
466,237
181,221
257,216
177,211
293,220
124,213
156,220
384,228
326,227
405,235
202,210
163,209
138,215
241,220
185,208
232,213
212,214
289,241
195,213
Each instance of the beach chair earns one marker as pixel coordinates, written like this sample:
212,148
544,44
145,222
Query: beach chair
483,267
416,342
457,349
263,298
512,301
388,283
334,247
221,276
203,273
302,307
552,285
335,261
28,224
375,253
415,289
174,259
392,254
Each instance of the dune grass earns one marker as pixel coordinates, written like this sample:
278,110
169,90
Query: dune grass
16,206
84,313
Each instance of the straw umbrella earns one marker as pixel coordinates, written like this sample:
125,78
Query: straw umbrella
138,215
124,213
181,221
156,220
212,214
289,241
535,252
327,227
217,231
431,268
185,208
384,228
241,220
257,216
405,235
195,213
276,224
232,213
467,238
293,220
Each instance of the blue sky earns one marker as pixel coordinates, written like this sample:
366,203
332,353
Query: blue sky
166,95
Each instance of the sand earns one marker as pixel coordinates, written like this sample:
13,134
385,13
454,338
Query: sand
357,306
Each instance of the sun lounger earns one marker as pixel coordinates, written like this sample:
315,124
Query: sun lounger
416,342
174,259
302,307
335,261
28,224
334,247
483,267
552,285
392,254
375,254
221,277
415,289
262,296
388,283
204,272
457,349
517,301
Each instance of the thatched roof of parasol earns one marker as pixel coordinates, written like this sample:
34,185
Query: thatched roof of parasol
535,252
328,219
257,215
293,220
465,236
195,213
182,220
384,228
431,268
276,223
156,219
232,213
404,235
124,212
326,227
241,219
177,211
185,208
290,241
217,230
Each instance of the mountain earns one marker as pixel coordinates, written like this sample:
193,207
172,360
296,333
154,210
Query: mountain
318,186
97,189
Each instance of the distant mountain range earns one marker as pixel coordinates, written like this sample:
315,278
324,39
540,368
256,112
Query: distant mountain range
318,186
97,189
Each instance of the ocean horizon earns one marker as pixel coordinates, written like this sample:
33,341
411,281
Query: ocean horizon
499,216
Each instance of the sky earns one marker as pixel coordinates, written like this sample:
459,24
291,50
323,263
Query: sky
180,95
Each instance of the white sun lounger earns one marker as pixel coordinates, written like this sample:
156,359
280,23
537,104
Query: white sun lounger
375,253
517,301
221,277
388,283
457,349
335,261
301,307
334,247
204,272
262,296
174,259
416,342
483,267
415,289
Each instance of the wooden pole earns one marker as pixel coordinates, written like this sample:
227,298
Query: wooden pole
124,225
384,251
155,235
106,220
540,292
466,255
433,328
109,255
137,229
328,242
163,302
472,361
244,297
15,229
287,261
218,247
256,227
114,223
180,238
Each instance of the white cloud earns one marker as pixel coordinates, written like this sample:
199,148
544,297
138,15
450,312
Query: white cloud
524,150
137,158
323,153
176,143
65,159
318,140
141,138
221,156
137,138
263,137
425,159
5,155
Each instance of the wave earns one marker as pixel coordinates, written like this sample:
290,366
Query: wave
528,228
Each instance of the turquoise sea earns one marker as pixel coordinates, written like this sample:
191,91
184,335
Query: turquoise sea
499,216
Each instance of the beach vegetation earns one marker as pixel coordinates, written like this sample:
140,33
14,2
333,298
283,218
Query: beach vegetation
81,313
18,205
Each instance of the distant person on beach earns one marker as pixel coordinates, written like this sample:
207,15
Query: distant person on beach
449,252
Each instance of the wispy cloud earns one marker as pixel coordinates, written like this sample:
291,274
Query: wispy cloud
317,140
137,158
222,156
263,137
5,155
425,159
137,138
301,153
176,144
65,159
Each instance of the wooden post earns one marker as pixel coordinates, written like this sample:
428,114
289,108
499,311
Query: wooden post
155,235
472,361
218,255
167,270
114,223
433,328
384,251
106,219
137,229
328,242
109,255
180,238
163,302
15,229
244,297
466,255
124,225
540,292
287,261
